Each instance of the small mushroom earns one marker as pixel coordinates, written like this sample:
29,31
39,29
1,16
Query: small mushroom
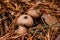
33,13
49,19
25,20
21,30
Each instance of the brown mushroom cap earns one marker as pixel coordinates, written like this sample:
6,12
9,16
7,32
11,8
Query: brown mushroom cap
25,20
33,13
21,30
49,19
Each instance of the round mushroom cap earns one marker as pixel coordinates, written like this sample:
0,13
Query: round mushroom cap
25,20
33,13
22,30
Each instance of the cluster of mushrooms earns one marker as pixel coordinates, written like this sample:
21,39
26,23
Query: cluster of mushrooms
27,20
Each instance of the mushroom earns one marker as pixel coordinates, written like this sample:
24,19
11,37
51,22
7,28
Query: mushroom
33,13
49,19
21,30
25,20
